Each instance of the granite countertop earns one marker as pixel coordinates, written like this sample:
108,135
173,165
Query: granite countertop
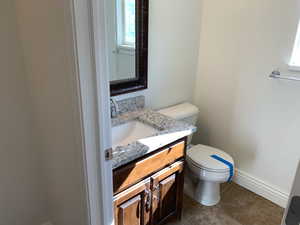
168,131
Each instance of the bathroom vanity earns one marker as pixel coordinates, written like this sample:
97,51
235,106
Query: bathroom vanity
148,162
149,190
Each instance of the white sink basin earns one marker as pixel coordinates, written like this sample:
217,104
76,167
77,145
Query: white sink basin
127,133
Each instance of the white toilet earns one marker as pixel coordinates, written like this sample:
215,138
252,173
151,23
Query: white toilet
208,167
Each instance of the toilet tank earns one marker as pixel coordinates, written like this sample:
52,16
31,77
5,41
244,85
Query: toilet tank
186,112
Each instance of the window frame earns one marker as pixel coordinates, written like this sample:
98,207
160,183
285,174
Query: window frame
293,65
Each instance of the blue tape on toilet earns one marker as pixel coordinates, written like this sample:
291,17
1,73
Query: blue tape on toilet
229,164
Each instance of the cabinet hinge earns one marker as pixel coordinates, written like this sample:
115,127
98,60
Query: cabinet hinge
108,154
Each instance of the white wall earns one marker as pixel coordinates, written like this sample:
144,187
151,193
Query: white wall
45,35
173,51
21,195
242,111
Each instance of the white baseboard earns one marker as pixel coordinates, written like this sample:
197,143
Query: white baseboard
261,188
47,223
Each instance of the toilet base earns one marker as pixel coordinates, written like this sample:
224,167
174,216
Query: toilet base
204,192
207,193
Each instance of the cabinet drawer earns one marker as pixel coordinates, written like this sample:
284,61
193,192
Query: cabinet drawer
134,172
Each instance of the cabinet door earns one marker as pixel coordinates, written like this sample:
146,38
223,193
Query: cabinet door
132,207
167,191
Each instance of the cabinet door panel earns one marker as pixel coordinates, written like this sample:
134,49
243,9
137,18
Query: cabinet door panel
167,189
168,196
132,207
130,212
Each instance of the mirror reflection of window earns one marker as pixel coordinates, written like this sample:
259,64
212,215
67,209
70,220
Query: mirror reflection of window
129,18
121,20
295,59
126,23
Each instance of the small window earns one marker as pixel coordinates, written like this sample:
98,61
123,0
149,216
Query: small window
126,23
295,59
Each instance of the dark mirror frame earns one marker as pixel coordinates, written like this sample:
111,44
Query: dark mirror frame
141,54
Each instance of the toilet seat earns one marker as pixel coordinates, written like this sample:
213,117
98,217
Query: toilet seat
200,156
207,170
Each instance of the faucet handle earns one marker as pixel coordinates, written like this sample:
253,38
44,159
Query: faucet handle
114,108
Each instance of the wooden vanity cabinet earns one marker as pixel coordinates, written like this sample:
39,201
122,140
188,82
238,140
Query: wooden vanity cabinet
155,199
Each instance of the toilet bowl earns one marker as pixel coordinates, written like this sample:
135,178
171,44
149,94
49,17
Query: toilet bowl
208,173
208,167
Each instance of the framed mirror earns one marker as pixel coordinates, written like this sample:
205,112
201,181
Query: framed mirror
127,23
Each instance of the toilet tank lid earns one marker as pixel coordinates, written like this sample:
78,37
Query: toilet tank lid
180,111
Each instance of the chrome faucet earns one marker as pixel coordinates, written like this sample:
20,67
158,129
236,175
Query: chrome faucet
114,108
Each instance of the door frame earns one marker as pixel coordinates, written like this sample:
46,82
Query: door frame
88,35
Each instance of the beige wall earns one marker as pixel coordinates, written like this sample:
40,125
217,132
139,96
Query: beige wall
21,195
45,36
252,117
173,51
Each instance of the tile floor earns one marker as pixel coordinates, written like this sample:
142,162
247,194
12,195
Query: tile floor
237,207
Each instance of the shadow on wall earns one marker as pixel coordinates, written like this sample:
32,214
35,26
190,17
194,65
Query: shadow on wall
202,136
243,148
